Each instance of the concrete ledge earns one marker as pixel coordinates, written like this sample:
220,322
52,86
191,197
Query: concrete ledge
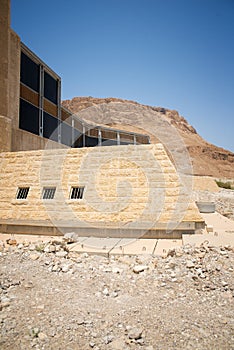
46,228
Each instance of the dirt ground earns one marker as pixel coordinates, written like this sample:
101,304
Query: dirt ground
55,299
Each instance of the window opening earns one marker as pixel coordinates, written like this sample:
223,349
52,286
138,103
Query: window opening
77,192
48,192
22,192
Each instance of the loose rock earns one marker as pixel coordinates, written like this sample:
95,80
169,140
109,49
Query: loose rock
140,268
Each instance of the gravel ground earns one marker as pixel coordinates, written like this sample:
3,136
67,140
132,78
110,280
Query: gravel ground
54,299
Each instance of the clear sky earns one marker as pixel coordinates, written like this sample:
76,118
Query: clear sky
178,54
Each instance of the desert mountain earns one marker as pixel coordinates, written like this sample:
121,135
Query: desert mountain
207,159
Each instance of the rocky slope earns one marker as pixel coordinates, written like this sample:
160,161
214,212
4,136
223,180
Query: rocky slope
54,299
207,159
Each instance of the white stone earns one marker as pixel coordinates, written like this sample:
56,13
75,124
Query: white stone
49,248
140,268
190,264
61,254
105,291
135,333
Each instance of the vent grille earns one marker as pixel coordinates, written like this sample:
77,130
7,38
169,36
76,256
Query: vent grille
22,192
48,192
77,192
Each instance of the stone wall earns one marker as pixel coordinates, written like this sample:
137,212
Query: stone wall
126,186
205,183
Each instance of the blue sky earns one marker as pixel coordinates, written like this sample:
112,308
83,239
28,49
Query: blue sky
178,54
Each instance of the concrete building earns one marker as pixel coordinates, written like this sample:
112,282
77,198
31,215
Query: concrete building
30,102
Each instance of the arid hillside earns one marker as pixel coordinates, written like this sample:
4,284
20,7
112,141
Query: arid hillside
207,159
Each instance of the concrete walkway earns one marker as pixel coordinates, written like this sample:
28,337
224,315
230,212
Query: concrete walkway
221,233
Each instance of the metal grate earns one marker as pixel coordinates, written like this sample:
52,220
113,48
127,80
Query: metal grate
48,192
22,192
77,192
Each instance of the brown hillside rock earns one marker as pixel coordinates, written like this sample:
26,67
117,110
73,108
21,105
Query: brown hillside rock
207,159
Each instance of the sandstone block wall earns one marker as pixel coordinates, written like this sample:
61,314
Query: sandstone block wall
126,186
205,183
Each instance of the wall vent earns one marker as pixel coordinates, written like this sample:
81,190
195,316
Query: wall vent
22,193
77,192
48,192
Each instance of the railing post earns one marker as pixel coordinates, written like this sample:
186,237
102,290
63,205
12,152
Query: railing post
99,137
59,110
83,135
41,94
118,138
134,137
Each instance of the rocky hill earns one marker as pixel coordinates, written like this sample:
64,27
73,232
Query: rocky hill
207,159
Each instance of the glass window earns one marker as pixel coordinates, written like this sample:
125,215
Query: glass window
107,142
29,72
29,117
50,88
66,134
50,127
91,141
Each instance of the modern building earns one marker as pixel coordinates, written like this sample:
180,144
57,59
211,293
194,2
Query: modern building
30,103
125,191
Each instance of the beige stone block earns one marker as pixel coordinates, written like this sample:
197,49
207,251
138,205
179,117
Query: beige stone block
172,192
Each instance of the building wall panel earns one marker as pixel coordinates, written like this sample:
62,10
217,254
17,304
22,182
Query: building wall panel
50,108
29,95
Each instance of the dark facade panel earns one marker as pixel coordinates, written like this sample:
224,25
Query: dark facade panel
91,141
50,88
66,134
29,117
126,142
29,72
107,142
78,139
50,127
